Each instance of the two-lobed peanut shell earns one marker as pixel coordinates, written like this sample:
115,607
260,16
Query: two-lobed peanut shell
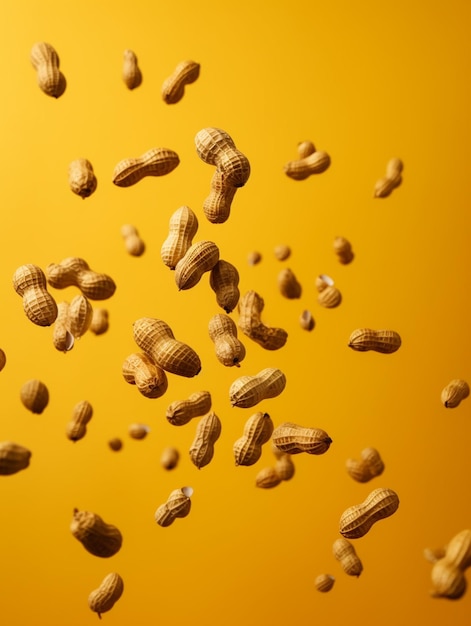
97,537
224,281
200,258
453,393
103,598
140,370
230,351
357,520
257,431
247,391
295,439
185,73
82,179
180,412
154,162
45,60
207,433
383,341
178,504
251,305
183,225
29,282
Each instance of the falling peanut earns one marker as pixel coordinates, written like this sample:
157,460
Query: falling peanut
185,73
309,163
384,341
324,582
357,520
223,332
306,320
247,391
282,252
224,281
45,61
131,73
13,458
132,241
329,296
107,594
100,321
343,250
29,282
368,467
384,186
169,458
200,258
267,478
82,179
79,316
288,284
257,431
217,205
97,536
208,432
150,379
76,271
34,395
62,338
183,226
345,553
456,391
180,412
294,439
448,579
250,308
154,162
216,147
254,257
178,504
82,413
115,444
138,431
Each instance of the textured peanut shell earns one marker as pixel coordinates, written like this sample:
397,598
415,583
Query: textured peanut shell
314,163
324,582
82,179
267,478
45,61
75,271
217,206
34,395
131,73
250,308
357,520
200,258
96,536
224,281
107,594
180,412
185,73
456,391
13,458
154,162
79,316
77,427
369,466
288,284
62,339
330,297
294,439
207,433
448,581
178,504
140,370
230,351
29,282
183,226
247,391
384,341
345,553
216,147
257,431
282,252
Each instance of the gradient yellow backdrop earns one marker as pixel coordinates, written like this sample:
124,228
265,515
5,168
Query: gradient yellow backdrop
364,81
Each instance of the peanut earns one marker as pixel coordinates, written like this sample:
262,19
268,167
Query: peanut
3,359
324,582
79,316
384,341
169,458
288,284
329,295
138,431
306,320
154,162
208,432
247,391
217,206
343,249
74,271
294,439
13,458
224,281
131,73
29,282
357,520
45,61
345,553
97,537
284,469
305,148
82,179
454,392
178,504
183,226
139,369
384,186
284,466
157,340
62,338
267,478
115,444
433,554
132,241
257,431
173,88
180,412
200,258
216,147
282,252
100,321
250,308
107,594
254,257
223,331
34,395
368,467
448,579
81,414
309,163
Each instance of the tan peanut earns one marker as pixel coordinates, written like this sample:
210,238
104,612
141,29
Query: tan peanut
448,572
283,470
456,391
384,341
329,296
169,458
82,413
3,359
62,338
223,332
257,431
345,553
254,257
115,444
250,309
284,466
224,281
200,258
45,61
97,536
131,73
173,88
306,320
82,179
180,412
183,226
74,271
208,432
305,148
100,321
369,466
216,147
217,206
288,284
309,163
79,316
178,504
29,282
384,186
247,391
343,250
324,582
156,339
294,439
13,458
267,478
282,252
34,395
138,431
433,554
150,379
357,520
154,162
132,241
103,598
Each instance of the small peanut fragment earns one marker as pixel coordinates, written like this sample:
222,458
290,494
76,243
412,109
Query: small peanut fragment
180,412
257,431
247,391
288,284
343,250
131,73
154,162
223,331
345,553
150,379
138,431
100,321
200,258
282,252
183,226
82,413
34,395
456,390
79,316
448,572
324,582
178,504
357,520
217,206
132,241
62,338
250,308
13,458
329,295
314,162
173,88
254,257
224,281
384,341
384,186
29,282
306,320
216,147
169,458
76,271
208,432
45,61
107,594
82,179
368,467
3,359
97,536
115,444
294,439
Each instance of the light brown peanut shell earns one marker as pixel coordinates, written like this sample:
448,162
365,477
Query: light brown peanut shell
217,206
247,391
345,553
267,478
208,432
77,427
79,316
154,162
456,391
131,73
97,537
223,332
34,395
62,338
306,320
169,458
45,61
357,520
200,258
294,439
250,308
324,582
180,412
107,594
384,341
132,241
216,147
369,466
178,504
76,271
13,458
185,73
82,179
183,226
138,431
139,369
100,321
288,284
224,281
257,431
29,282
314,163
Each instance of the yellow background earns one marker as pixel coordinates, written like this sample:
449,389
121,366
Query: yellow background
365,82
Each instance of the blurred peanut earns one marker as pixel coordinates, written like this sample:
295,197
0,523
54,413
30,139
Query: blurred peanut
247,391
150,379
3,359
384,341
154,162
448,572
305,148
329,296
82,179
254,257
357,520
178,504
115,444
138,431
74,271
216,147
132,241
183,226
224,281
100,321
156,339
200,258
185,73
79,316
293,439
310,162
306,320
34,395
288,284
223,332
282,252
368,467
433,554
45,61
62,338
284,466
345,553
267,478
82,413
13,458
250,308
343,250
384,186
29,282
324,582
257,431
107,594
131,73
456,391
217,206
97,536
208,432
180,412
169,458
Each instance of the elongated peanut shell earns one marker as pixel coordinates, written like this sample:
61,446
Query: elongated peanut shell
62,338
132,241
140,370
357,520
77,427
448,581
200,257
224,281
96,536
294,439
369,466
456,390
138,431
345,553
131,73
247,391
79,316
185,73
267,478
169,458
180,412
178,505
288,284
208,432
217,205
306,320
251,306
45,61
13,458
315,163
216,147
107,594
34,395
324,582
384,341
257,431
82,179
29,282
183,226
154,162
343,249
100,321
76,271
223,331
